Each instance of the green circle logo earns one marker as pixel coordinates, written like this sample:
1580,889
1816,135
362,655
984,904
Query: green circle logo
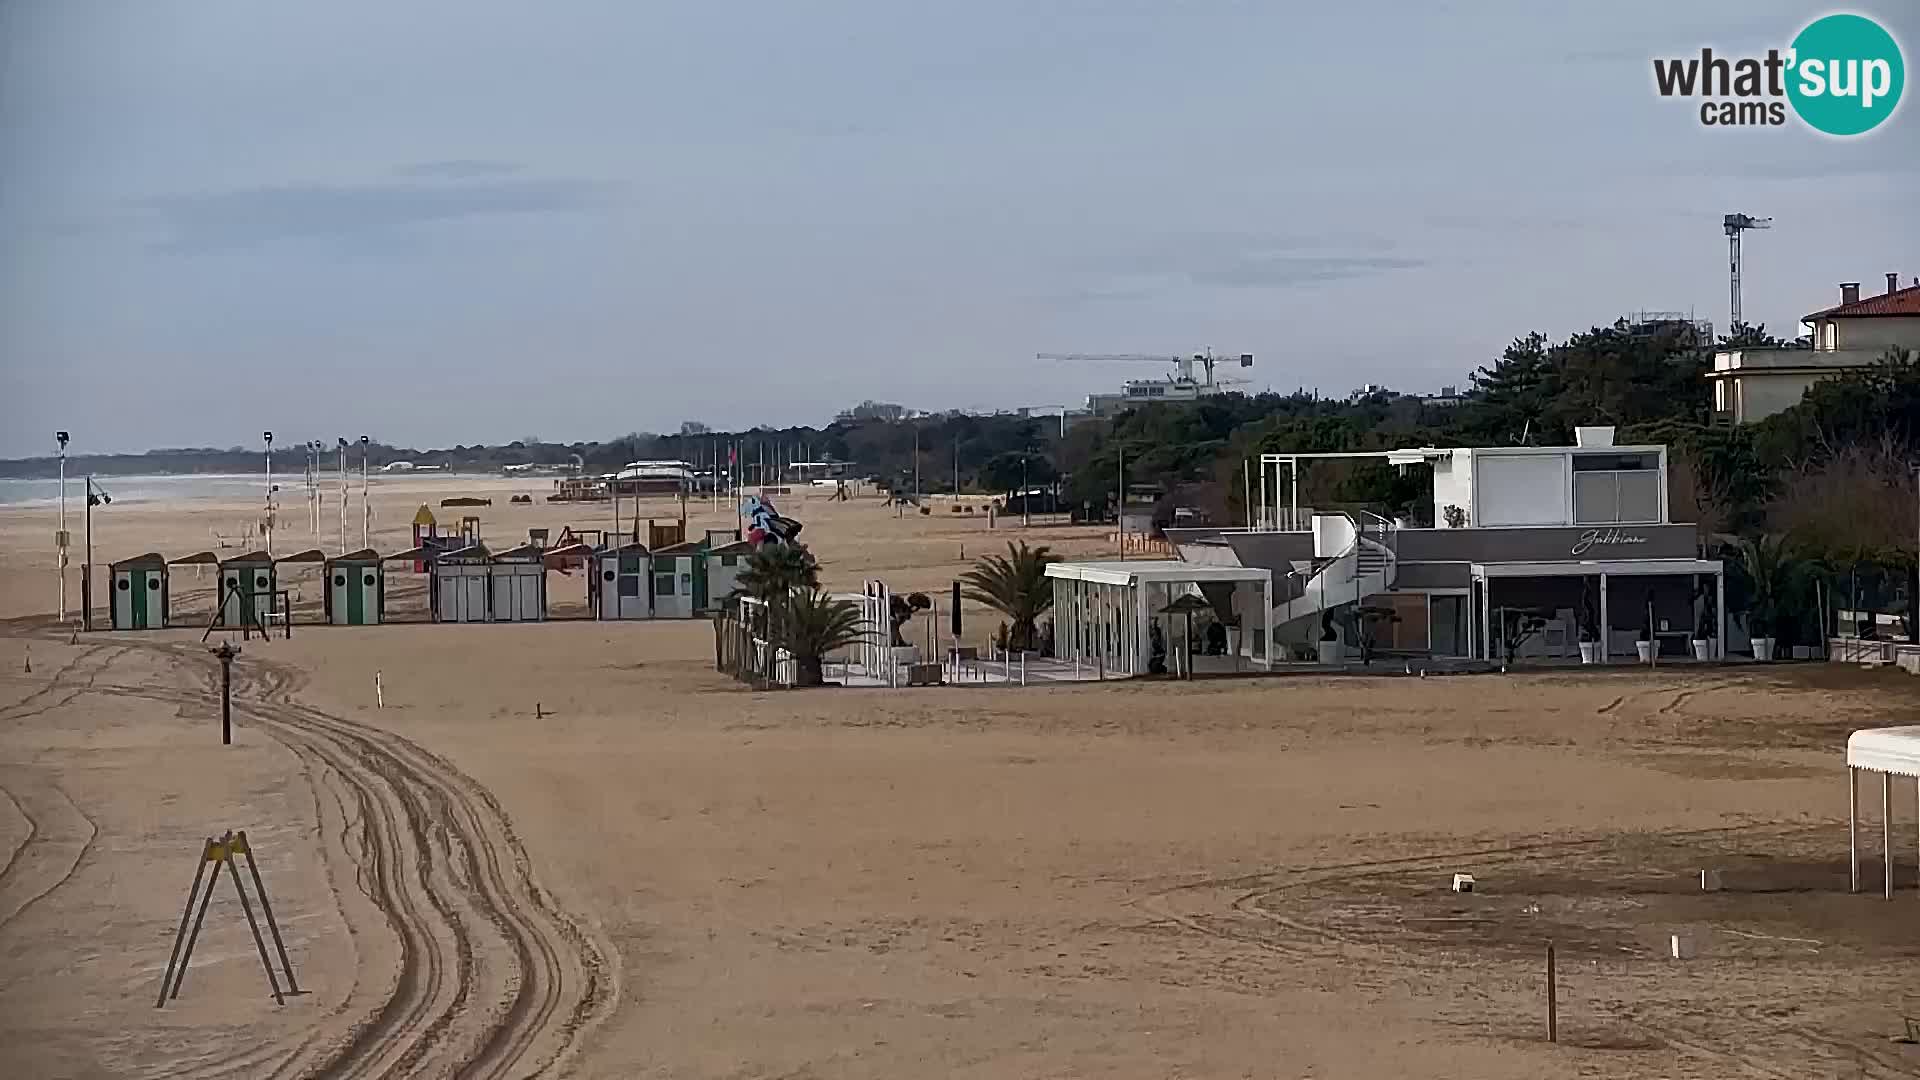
1847,75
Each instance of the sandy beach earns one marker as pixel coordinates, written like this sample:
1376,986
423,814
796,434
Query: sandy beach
573,849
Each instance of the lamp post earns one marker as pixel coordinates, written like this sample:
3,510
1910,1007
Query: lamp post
343,494
60,537
267,532
366,508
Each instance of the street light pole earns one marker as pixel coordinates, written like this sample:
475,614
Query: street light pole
267,533
60,539
86,580
366,509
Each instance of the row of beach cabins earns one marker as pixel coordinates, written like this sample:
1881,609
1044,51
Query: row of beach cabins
465,584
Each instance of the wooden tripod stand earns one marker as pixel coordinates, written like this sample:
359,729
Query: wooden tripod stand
220,853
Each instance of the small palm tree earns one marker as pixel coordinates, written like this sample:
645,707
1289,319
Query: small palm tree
1773,572
1015,585
774,571
811,625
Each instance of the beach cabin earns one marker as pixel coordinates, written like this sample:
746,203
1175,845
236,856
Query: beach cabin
356,589
622,585
139,593
247,590
724,563
460,584
679,581
519,580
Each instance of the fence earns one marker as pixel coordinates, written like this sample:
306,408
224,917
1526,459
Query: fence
741,650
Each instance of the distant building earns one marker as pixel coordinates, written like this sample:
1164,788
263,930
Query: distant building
1752,384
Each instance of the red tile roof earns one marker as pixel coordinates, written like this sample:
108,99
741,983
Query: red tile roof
1899,302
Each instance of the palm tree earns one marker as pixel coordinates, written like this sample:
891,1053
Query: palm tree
774,571
1774,574
1016,586
813,624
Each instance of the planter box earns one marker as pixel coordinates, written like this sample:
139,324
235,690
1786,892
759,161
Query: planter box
1763,649
1703,648
1589,652
1332,653
1644,649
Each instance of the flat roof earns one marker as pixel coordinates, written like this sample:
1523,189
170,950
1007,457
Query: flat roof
1888,750
1588,568
1169,571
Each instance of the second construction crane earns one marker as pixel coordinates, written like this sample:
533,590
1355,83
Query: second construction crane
1735,224
1184,385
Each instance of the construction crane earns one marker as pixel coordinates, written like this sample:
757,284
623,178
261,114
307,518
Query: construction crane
1184,364
1735,224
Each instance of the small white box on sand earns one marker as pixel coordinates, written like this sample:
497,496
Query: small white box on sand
1709,881
1683,946
1463,883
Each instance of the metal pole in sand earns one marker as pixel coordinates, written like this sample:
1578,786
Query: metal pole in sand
180,935
1553,1000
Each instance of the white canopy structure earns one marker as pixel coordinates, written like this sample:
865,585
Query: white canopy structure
1102,611
1891,752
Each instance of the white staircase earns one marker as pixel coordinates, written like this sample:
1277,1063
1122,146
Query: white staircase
1364,567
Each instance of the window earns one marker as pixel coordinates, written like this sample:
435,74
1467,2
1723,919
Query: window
368,580
663,584
339,579
729,560
125,585
1614,462
629,585
608,575
1625,496
153,583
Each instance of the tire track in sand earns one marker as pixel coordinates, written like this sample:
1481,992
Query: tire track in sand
440,859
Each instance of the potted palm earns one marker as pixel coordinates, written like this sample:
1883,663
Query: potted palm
1704,621
1015,585
1770,567
900,609
811,625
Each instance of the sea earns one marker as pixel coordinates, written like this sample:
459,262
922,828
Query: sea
136,489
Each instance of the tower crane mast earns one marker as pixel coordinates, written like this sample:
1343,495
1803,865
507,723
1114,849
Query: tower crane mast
1734,225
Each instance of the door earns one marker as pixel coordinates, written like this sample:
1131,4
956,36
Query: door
503,596
234,605
528,588
1449,625
474,609
453,595
365,595
338,590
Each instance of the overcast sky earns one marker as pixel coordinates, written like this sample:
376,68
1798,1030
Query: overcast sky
456,221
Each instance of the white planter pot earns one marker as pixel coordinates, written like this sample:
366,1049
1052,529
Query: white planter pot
1702,648
1763,649
905,654
1589,652
1645,651
1333,653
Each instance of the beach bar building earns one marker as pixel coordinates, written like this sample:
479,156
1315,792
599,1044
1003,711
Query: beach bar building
139,592
1573,543
356,589
624,583
1104,613
518,580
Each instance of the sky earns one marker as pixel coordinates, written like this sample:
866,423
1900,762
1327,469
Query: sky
455,221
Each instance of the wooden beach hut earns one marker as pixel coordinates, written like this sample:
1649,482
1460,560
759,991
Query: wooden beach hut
356,589
139,592
519,584
623,583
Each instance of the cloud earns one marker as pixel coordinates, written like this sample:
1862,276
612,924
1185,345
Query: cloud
252,217
459,169
1268,270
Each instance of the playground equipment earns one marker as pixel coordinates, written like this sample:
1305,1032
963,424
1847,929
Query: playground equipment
220,854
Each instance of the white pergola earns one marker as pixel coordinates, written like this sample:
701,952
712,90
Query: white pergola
1890,752
1102,610
1604,569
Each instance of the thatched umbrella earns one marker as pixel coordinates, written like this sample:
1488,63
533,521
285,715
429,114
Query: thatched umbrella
1186,604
